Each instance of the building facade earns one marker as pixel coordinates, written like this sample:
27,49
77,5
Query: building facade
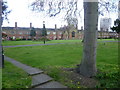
63,33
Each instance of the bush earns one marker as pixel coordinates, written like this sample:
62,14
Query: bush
18,39
29,39
42,39
24,39
108,80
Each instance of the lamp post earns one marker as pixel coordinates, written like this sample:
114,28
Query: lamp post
44,33
1,49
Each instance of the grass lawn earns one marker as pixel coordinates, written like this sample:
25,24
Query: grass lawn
0,78
13,77
12,43
53,58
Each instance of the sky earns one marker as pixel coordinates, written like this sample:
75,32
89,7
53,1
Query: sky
22,14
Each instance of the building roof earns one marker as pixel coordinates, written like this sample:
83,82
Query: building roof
26,28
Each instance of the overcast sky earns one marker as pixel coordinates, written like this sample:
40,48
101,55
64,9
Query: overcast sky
22,14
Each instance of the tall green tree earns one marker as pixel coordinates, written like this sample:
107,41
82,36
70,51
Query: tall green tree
32,33
116,26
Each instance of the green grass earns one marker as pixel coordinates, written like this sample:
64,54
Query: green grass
107,39
52,58
13,77
10,43
0,78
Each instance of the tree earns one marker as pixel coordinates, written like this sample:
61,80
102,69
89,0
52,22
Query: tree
116,26
4,35
3,15
72,21
5,11
88,64
70,8
32,33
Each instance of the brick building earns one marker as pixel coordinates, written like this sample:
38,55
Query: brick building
64,33
52,33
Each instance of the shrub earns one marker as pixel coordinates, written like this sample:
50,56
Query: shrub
108,80
24,39
18,39
42,39
29,39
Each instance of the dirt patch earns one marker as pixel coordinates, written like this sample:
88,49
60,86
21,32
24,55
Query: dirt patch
76,78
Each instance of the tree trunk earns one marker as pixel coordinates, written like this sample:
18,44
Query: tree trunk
88,63
119,18
119,10
0,33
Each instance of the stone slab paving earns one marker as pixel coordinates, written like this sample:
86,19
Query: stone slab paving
28,69
52,84
40,79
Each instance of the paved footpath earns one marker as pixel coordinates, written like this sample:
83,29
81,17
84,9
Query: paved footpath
39,79
34,45
48,44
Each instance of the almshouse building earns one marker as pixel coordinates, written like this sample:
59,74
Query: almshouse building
63,33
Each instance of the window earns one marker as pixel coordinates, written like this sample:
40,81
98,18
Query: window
60,33
4,32
54,32
27,32
20,33
12,32
20,37
73,34
48,32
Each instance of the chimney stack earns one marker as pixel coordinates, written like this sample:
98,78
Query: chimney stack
55,27
30,26
15,25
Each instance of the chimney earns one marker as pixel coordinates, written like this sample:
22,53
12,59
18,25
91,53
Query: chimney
30,26
15,25
55,27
